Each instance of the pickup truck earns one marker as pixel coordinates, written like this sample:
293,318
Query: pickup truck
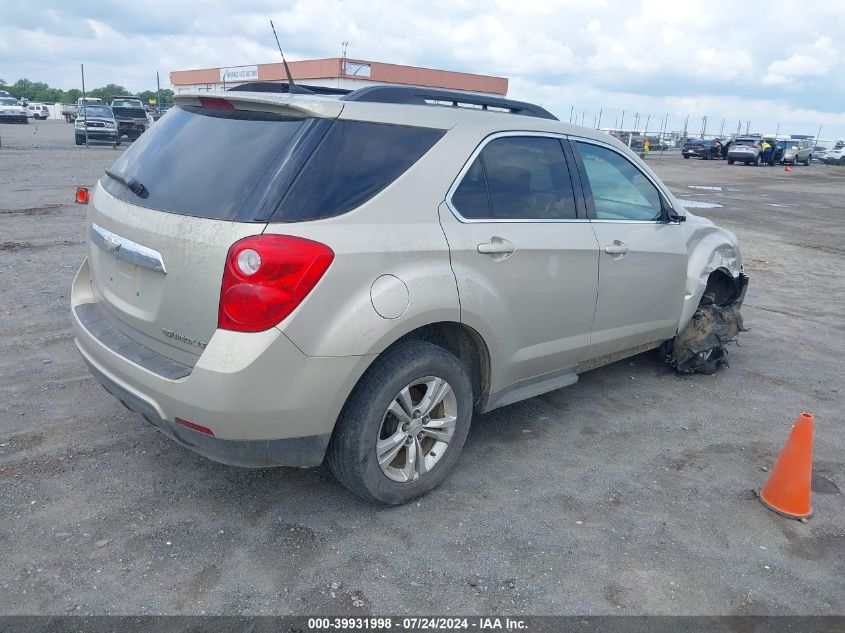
131,116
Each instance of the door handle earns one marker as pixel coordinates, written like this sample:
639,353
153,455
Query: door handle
617,248
498,247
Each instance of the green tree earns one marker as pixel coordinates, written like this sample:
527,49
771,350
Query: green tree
107,92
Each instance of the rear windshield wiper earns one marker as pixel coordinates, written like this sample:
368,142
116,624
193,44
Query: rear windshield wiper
130,182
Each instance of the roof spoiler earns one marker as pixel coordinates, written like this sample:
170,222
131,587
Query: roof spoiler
282,87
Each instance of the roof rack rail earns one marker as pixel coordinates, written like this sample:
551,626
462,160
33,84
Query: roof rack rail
275,86
418,95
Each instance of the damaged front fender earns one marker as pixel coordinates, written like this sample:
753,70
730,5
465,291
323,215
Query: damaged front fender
700,347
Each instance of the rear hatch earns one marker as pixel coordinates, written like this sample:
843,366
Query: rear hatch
206,175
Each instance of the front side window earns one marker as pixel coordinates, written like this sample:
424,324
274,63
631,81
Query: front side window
620,191
517,178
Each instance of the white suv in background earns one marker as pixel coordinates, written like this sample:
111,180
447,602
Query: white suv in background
37,111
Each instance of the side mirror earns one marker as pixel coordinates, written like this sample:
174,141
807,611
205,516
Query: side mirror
669,213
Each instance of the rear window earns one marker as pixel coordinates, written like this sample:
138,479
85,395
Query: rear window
258,166
204,162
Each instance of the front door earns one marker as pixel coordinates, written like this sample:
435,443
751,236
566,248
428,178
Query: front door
642,257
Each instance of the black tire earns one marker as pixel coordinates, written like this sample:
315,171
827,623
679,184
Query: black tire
808,161
686,157
794,161
352,450
80,141
730,161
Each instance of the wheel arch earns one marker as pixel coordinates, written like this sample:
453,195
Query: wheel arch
459,339
714,262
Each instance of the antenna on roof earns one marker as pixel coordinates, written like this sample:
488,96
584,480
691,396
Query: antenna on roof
293,88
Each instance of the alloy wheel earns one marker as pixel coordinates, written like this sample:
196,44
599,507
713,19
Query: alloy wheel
416,429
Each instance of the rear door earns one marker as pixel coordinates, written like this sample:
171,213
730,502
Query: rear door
204,178
524,255
642,257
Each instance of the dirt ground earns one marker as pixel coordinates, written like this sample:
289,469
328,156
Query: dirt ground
630,492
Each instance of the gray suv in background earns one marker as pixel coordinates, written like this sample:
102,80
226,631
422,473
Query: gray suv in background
745,150
275,279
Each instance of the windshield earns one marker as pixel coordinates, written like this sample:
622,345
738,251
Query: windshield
126,103
95,111
7,101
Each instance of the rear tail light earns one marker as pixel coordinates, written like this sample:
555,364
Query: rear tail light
216,103
83,196
266,278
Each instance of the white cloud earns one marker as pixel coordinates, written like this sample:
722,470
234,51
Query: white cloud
697,57
814,61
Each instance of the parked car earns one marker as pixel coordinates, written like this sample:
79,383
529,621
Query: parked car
793,151
702,148
363,273
835,156
821,155
99,122
38,111
132,118
11,111
745,150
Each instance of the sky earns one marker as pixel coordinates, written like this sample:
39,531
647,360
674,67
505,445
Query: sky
775,62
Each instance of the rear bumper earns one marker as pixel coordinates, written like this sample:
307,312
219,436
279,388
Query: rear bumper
266,402
302,452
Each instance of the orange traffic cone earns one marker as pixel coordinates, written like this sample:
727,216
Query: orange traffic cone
788,168
788,490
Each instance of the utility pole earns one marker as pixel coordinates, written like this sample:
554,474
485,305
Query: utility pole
598,125
84,109
622,124
158,94
722,129
583,112
571,110
686,123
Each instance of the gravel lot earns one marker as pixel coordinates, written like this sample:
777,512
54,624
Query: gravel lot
630,492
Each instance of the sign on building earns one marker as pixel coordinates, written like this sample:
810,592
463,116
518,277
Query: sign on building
239,73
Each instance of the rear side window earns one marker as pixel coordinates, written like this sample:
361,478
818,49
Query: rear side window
354,162
204,162
619,190
517,178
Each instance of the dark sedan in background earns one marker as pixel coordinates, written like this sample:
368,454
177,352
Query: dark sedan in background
703,149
